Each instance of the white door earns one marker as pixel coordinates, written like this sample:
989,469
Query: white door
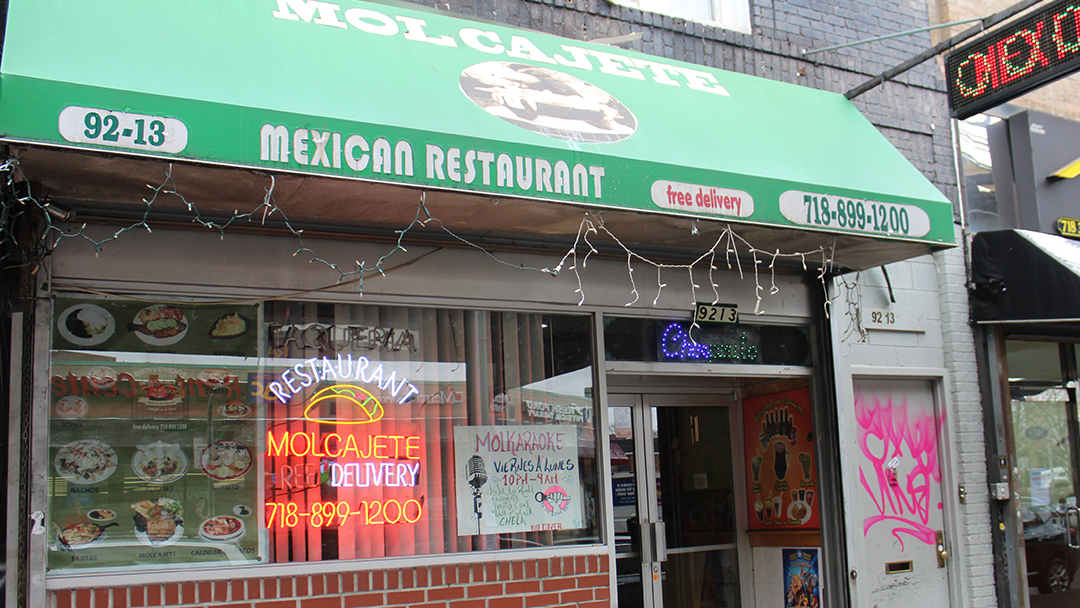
894,488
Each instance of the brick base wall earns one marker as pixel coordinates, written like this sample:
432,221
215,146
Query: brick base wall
565,582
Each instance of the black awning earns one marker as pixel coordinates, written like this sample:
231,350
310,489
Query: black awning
1023,276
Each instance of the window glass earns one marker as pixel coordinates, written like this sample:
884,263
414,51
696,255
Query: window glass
183,434
980,195
728,14
1041,401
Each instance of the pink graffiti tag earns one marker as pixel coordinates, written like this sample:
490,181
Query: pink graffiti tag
885,432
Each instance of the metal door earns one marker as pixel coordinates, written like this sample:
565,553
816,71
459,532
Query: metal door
674,497
897,510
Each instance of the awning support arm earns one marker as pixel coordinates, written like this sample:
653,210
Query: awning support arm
886,36
941,47
888,284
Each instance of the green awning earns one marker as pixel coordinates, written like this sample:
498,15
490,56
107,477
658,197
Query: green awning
384,93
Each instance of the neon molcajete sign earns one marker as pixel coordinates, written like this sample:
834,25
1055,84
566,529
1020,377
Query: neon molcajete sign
347,461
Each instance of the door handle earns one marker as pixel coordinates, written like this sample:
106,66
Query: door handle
660,541
942,552
1069,527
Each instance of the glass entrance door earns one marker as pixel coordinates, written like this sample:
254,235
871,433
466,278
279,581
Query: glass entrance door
674,502
1042,392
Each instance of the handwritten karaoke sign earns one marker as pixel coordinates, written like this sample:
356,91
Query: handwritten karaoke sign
517,479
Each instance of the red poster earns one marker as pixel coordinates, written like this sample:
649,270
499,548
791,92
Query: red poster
780,469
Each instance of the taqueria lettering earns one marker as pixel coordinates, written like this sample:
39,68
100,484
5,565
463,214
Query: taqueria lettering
336,338
488,43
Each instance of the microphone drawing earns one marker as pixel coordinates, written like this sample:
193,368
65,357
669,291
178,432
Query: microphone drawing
477,476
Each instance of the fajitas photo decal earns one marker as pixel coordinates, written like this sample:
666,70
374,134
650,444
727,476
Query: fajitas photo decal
150,464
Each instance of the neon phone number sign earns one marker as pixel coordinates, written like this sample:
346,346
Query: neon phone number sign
330,514
1024,54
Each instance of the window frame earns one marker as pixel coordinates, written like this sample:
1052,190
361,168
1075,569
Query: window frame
731,14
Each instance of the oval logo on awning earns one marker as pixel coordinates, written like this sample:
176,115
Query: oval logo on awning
547,102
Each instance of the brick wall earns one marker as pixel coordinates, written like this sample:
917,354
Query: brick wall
566,582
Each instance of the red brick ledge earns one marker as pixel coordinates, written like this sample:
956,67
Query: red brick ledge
580,581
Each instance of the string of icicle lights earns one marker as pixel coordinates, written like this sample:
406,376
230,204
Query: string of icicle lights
853,311
729,249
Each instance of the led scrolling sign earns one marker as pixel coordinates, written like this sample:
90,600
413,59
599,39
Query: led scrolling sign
1022,55
308,459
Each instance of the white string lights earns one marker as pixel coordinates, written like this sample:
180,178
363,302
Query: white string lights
728,243
728,239
853,299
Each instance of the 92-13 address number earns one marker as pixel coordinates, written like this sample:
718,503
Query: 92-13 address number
717,313
103,127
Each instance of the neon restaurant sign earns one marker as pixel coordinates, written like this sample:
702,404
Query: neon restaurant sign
297,378
362,469
1023,54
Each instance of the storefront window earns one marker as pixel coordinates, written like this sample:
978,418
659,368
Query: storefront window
291,432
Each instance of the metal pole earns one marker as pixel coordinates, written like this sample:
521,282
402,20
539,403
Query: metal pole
887,36
941,47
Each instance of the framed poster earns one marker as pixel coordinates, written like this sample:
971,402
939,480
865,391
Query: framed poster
781,475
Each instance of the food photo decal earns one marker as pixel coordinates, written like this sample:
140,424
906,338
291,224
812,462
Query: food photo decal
158,522
160,324
86,324
160,462
85,462
232,325
225,460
